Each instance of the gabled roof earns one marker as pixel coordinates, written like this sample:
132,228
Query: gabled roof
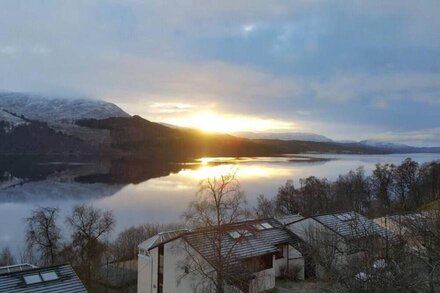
351,225
289,219
258,237
61,278
160,238
239,241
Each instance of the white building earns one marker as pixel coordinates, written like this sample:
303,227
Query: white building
248,255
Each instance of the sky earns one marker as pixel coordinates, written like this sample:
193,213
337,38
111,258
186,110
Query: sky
349,70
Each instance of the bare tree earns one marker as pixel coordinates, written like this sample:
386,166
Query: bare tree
125,246
43,234
316,196
6,257
265,207
288,200
405,187
219,204
368,263
89,226
423,230
219,201
352,191
381,183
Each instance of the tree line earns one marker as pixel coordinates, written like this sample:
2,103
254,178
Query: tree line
389,189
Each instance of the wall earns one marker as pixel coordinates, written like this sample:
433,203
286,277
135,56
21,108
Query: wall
175,279
295,260
308,226
147,272
264,280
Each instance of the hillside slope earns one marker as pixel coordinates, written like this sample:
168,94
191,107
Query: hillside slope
57,110
138,136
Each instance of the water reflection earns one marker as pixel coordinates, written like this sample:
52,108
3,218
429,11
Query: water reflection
140,191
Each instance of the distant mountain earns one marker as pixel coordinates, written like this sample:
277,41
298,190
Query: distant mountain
9,121
34,137
138,136
301,136
398,147
53,115
383,144
35,124
54,110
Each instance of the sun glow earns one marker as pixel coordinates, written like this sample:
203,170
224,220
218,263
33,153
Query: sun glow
214,122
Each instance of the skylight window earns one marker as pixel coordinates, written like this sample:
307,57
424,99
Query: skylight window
266,225
238,234
345,217
49,276
32,279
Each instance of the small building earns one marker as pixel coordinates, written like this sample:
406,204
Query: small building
248,256
349,233
28,278
410,226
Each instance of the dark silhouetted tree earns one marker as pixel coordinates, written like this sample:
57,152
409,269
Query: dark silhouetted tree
43,234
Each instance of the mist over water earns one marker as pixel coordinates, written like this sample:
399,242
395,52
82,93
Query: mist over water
151,192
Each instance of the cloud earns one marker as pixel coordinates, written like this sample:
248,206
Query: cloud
380,88
364,66
8,50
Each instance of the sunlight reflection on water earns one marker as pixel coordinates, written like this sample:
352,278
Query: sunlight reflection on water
163,199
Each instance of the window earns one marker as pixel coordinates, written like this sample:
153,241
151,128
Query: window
345,217
260,263
266,225
239,233
49,276
160,269
280,253
32,279
259,227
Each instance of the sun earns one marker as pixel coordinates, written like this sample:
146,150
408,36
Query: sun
222,123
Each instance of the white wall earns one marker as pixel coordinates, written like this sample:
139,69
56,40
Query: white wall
147,272
175,279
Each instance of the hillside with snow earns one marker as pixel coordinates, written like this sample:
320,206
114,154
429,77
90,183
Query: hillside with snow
57,110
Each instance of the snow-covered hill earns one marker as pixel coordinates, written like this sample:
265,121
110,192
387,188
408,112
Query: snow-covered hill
57,110
9,121
383,144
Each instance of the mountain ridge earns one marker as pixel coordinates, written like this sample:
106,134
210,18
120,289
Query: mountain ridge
103,129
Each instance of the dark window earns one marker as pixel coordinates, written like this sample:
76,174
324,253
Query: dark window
160,269
260,263
280,253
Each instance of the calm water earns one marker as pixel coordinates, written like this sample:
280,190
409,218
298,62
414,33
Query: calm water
141,192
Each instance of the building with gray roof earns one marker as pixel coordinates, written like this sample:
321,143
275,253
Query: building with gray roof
349,232
250,254
27,278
